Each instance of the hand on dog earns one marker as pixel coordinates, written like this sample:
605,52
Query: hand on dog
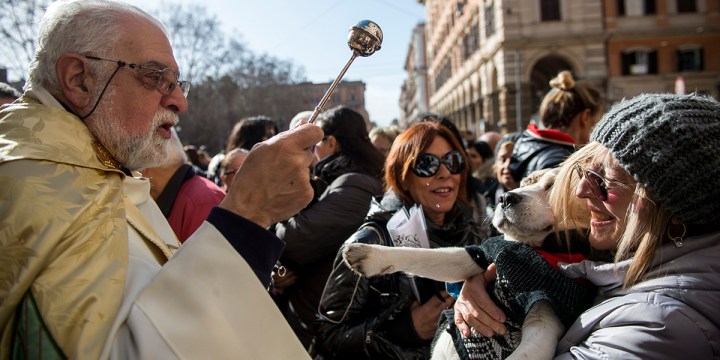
425,317
475,308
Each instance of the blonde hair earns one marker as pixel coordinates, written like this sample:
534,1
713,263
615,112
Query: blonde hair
646,225
562,196
506,144
645,221
569,212
566,99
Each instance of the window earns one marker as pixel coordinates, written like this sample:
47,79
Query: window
470,42
635,7
443,75
490,19
639,62
460,6
549,10
686,6
690,59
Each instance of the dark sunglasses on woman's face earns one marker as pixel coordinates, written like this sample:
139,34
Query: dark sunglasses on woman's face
427,165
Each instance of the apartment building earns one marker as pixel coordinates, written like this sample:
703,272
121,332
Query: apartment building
654,46
489,61
414,100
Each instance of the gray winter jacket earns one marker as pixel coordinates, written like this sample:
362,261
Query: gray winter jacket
672,314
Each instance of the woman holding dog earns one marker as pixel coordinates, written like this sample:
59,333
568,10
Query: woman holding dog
395,316
661,218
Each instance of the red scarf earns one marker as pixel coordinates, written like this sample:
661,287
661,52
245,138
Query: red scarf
555,258
550,135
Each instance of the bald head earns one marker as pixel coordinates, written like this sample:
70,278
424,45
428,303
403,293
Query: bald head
490,137
231,163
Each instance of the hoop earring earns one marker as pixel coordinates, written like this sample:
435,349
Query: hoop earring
678,240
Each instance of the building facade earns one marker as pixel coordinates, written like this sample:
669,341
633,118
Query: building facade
652,46
414,99
490,61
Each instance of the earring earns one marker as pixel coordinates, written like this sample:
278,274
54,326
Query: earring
437,206
678,240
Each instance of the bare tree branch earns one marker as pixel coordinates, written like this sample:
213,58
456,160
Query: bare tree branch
229,81
18,27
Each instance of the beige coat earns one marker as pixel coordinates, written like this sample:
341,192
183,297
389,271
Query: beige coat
92,249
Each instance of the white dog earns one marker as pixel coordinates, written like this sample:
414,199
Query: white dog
524,216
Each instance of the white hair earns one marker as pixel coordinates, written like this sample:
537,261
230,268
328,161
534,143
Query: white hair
78,26
303,115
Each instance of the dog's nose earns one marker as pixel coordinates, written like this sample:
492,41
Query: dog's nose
509,198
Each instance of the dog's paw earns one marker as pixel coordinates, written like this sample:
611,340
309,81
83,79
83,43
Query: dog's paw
368,260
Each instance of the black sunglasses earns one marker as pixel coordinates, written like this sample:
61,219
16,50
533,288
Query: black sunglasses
427,165
599,185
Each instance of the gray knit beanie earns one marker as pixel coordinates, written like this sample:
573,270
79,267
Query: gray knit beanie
671,144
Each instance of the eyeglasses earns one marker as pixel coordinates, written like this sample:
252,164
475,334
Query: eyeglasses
164,80
427,165
599,185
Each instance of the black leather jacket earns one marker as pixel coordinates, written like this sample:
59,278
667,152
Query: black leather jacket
369,318
532,153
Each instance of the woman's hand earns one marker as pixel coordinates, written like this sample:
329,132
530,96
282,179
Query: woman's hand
425,317
474,308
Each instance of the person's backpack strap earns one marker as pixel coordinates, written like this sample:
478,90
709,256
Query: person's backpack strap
166,199
383,237
382,232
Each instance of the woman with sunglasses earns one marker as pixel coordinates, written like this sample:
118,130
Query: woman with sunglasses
660,217
396,316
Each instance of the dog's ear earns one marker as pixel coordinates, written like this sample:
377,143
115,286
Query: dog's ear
534,177
548,178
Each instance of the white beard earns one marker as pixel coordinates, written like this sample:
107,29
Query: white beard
134,152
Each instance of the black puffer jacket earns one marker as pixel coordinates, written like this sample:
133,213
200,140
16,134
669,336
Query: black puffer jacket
533,153
314,235
369,318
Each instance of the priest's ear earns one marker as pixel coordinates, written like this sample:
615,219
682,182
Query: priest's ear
75,80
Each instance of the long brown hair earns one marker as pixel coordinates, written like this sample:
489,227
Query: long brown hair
407,146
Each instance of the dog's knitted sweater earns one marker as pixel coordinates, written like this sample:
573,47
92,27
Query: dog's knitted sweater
523,277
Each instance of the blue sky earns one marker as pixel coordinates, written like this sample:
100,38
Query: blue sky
313,34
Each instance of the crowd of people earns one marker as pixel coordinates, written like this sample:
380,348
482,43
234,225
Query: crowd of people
120,242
